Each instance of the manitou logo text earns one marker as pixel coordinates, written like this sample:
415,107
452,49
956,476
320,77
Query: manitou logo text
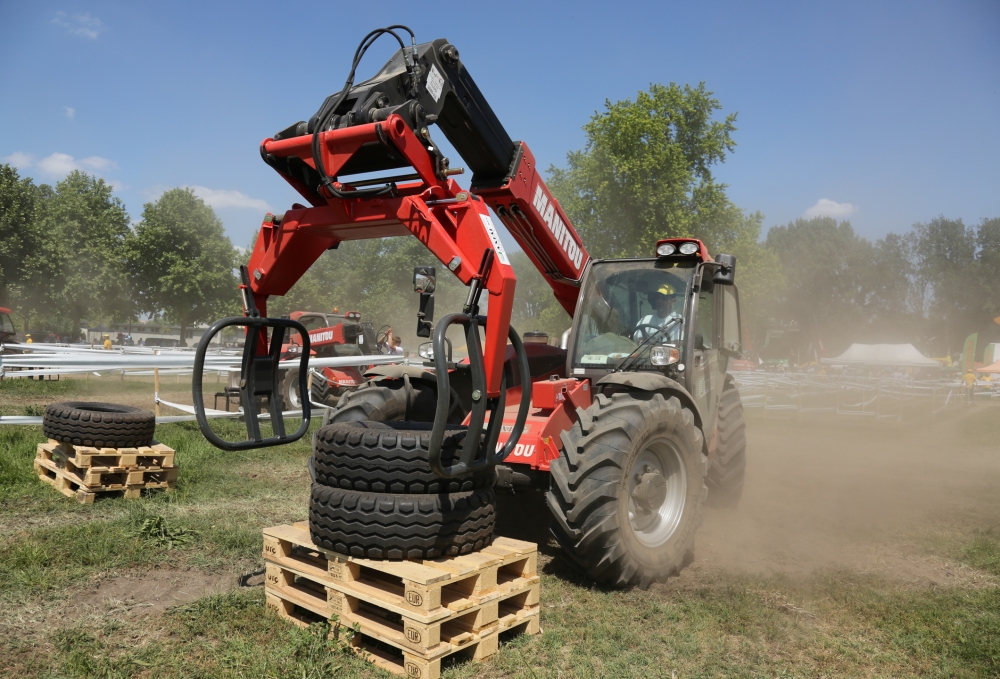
520,450
321,336
546,209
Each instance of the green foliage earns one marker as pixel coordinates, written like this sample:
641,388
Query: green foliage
19,237
81,272
180,261
932,286
645,173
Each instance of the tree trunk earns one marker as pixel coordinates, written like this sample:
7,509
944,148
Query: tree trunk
183,342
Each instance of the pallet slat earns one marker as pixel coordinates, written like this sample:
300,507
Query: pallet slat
157,456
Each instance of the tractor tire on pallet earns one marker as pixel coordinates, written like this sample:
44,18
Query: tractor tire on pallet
101,425
388,457
388,526
627,493
727,469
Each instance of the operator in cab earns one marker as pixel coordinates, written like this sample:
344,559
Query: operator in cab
664,303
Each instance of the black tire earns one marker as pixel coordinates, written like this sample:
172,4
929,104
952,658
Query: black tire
389,457
591,498
727,468
320,389
386,526
101,425
385,400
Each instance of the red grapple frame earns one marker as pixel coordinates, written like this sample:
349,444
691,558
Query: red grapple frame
454,225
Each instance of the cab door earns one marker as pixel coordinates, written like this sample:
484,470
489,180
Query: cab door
705,380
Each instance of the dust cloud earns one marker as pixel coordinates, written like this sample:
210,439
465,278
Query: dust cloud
829,493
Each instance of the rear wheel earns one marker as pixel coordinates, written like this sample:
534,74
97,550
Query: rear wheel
627,493
728,467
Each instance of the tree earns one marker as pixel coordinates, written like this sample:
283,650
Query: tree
945,254
645,173
87,227
180,262
19,232
824,265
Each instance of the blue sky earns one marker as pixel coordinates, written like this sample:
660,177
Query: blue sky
883,113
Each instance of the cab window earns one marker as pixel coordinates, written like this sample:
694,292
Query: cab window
313,322
705,323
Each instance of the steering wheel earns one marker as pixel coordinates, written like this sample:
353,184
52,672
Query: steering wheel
643,328
382,339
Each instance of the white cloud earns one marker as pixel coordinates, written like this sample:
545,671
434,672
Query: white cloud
19,160
79,24
220,198
825,207
97,163
58,165
70,112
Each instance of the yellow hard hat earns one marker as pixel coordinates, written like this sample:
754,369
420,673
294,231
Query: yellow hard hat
665,290
27,334
107,335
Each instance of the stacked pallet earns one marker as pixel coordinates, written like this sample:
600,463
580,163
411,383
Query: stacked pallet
411,614
84,472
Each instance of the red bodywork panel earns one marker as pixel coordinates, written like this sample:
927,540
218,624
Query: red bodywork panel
458,232
537,222
553,411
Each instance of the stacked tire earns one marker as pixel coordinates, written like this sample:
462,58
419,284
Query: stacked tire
374,494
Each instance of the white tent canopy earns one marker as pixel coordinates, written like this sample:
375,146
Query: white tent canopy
895,355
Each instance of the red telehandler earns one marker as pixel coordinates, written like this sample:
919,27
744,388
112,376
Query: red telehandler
330,335
630,429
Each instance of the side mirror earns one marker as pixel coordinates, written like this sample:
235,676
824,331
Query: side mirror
424,279
424,282
725,274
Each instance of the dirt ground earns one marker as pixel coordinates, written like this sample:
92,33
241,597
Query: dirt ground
829,494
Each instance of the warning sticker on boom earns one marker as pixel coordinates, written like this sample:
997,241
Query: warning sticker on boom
495,239
434,83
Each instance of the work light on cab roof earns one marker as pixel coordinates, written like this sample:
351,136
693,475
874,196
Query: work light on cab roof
682,247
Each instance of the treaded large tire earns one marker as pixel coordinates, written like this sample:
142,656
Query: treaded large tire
388,458
101,425
727,468
320,390
387,526
590,488
384,400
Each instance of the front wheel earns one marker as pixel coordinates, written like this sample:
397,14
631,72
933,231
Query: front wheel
627,492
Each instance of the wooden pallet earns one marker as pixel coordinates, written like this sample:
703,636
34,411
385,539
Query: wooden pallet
154,457
427,591
411,614
72,471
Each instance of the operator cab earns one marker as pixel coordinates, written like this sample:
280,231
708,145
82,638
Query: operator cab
676,314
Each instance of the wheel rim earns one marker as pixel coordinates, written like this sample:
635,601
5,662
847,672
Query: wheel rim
654,524
293,394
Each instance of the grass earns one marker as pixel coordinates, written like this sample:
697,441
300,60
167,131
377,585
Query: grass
717,624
